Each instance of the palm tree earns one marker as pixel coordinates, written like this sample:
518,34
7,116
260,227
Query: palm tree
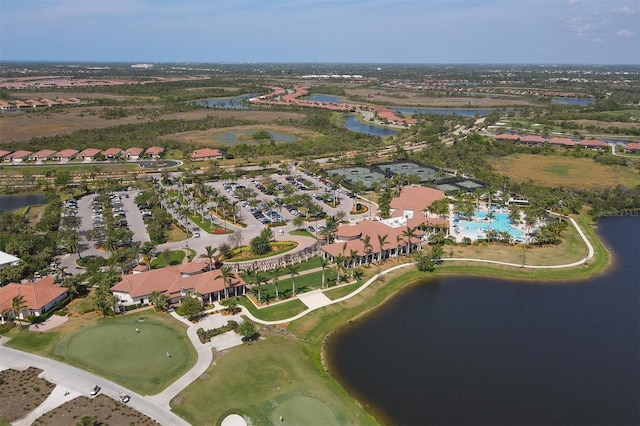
339,260
275,274
368,247
226,275
146,250
409,233
159,300
353,256
382,241
73,242
261,278
111,245
17,305
293,271
323,264
210,253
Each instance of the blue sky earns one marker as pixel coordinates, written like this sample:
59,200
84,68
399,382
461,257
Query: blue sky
374,31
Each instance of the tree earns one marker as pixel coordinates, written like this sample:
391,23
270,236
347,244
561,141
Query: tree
235,239
275,274
226,275
323,264
159,300
298,222
409,233
247,330
382,241
368,247
293,271
146,250
104,301
73,242
210,253
353,257
191,305
17,305
339,260
436,253
260,279
424,263
260,245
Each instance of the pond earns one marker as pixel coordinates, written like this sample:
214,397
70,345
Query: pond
236,102
483,351
10,202
574,101
352,123
325,98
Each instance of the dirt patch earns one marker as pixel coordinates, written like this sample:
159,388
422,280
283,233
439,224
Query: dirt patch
103,410
21,392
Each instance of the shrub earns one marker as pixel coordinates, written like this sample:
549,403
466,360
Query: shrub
206,335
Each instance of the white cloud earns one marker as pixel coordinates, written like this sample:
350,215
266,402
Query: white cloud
570,2
625,10
625,33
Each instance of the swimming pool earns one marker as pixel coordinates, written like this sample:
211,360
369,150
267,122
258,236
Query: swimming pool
476,228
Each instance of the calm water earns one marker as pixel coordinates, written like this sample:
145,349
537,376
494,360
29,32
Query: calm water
236,102
352,123
325,98
442,111
18,201
451,351
574,101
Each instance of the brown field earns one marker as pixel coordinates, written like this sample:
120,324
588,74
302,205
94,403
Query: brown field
21,392
606,124
79,95
565,171
415,98
21,127
208,137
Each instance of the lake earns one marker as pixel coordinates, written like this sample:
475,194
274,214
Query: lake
470,350
352,123
467,112
236,102
11,202
325,98
574,101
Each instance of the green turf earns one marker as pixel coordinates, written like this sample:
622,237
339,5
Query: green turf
175,258
111,348
275,312
265,380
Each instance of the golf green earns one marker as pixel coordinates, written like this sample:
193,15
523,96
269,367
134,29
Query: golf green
303,410
145,356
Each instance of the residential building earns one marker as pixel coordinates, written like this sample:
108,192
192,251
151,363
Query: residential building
563,142
633,147
42,155
65,155
89,154
154,152
17,157
37,298
133,153
112,153
206,154
594,144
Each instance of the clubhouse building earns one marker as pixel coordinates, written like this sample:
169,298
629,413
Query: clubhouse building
405,231
37,298
177,282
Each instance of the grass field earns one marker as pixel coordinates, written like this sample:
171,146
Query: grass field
175,258
263,381
564,171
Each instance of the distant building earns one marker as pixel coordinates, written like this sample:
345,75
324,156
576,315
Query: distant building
89,154
533,140
154,152
206,154
112,153
563,142
42,155
17,157
65,155
594,144
133,153
633,147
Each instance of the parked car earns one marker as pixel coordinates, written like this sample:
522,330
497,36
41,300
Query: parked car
94,390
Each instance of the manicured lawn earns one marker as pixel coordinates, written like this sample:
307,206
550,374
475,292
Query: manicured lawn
302,233
337,293
263,381
306,282
112,348
244,253
275,312
175,258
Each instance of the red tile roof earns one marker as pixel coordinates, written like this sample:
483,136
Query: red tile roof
593,143
67,153
3,153
154,150
561,141
18,154
89,152
532,139
206,153
111,152
416,198
36,295
170,280
505,136
44,153
134,152
634,146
